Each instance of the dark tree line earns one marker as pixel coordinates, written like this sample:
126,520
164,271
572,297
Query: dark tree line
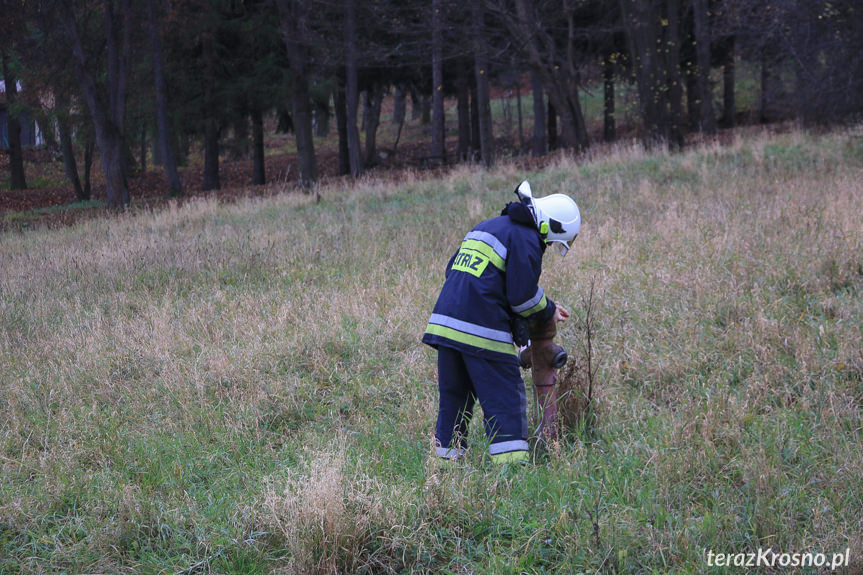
175,75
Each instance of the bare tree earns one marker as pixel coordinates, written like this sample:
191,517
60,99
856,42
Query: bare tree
372,100
554,59
169,159
654,38
16,153
212,130
294,17
673,76
62,111
462,86
107,106
540,143
438,147
706,121
483,93
609,127
355,158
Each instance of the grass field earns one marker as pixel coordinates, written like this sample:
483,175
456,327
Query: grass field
240,388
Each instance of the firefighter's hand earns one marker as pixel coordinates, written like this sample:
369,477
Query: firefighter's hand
560,314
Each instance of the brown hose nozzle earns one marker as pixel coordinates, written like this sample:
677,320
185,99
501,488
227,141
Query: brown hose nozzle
543,357
559,358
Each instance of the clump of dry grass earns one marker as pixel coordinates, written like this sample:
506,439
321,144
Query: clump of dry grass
328,514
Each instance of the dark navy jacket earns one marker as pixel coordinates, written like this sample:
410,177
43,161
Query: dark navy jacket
490,281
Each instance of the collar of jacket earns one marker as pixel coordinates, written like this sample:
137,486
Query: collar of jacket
520,214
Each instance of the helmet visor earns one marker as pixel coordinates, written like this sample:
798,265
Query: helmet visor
564,247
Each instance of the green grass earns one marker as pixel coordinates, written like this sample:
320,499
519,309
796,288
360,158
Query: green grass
30,217
240,388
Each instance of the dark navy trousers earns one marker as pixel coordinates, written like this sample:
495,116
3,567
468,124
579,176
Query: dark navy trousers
497,384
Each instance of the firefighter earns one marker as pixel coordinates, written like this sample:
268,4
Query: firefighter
489,297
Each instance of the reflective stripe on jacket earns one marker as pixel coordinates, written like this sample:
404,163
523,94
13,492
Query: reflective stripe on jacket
491,279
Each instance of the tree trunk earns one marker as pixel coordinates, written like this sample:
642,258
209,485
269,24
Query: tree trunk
690,75
305,139
352,95
437,152
575,115
156,148
212,181
729,106
425,109
399,106
66,147
707,122
551,120
16,152
641,23
474,119
342,128
211,123
373,100
294,22
107,113
416,104
142,150
89,148
119,51
609,128
259,176
521,143
764,100
166,149
463,108
113,154
674,80
486,136
398,136
540,143
49,137
321,111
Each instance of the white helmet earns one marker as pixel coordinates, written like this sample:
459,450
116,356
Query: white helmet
557,216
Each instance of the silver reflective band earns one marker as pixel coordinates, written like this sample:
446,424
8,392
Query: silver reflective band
489,239
529,303
507,446
471,328
449,452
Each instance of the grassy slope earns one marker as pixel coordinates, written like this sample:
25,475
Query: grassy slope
240,388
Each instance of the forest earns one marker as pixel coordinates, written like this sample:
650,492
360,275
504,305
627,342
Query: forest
123,81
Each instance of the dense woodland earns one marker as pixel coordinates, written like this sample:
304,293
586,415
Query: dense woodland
179,76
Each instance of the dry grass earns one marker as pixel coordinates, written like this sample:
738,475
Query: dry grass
240,388
329,515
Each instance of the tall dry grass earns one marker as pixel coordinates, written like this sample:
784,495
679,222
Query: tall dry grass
241,388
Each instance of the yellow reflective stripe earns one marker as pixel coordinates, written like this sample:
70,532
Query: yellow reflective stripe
474,340
538,307
511,457
487,251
